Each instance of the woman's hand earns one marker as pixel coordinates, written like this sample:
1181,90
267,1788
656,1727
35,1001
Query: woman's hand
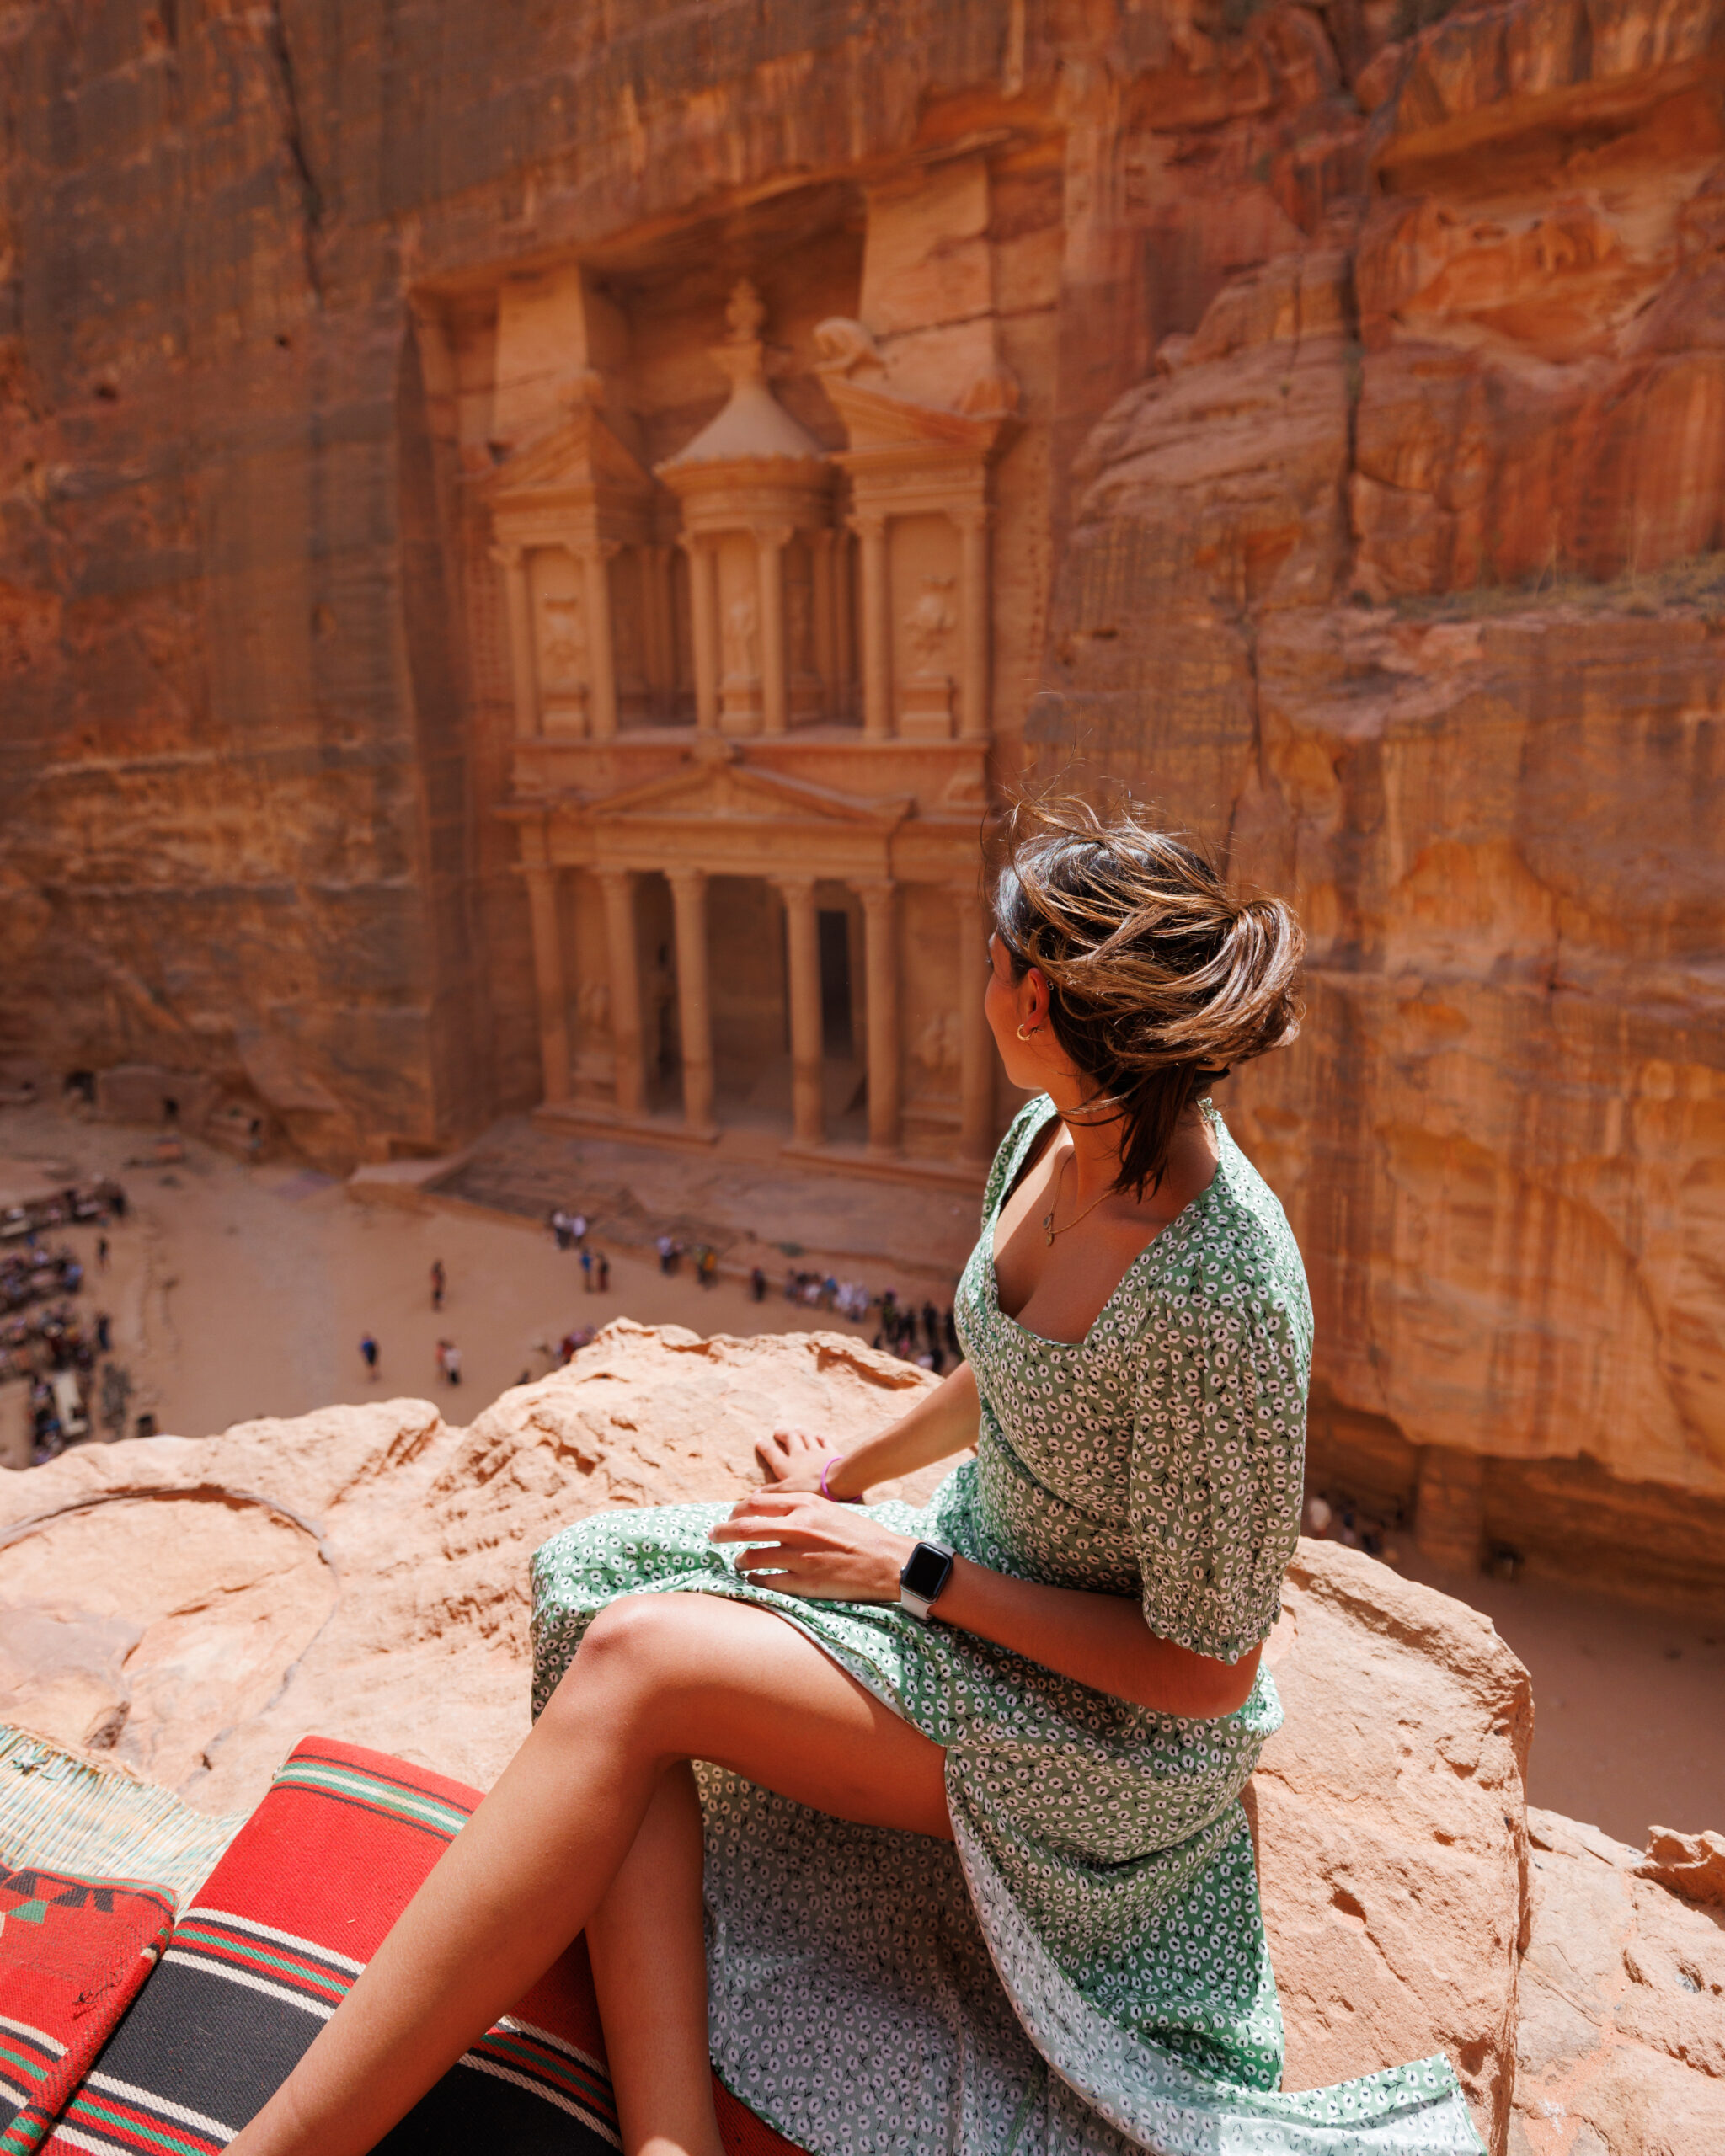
793,1460
814,1547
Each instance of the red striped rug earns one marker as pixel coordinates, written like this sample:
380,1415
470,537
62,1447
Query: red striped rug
74,1954
278,1933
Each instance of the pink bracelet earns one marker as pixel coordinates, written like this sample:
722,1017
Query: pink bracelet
835,1460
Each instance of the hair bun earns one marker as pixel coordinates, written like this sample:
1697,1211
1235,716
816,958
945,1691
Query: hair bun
1158,974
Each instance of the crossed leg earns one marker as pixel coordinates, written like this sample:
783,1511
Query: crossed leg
593,1824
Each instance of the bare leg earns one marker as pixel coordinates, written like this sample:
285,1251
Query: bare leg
649,1970
660,1679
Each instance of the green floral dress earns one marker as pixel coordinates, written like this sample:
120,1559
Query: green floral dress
1085,1972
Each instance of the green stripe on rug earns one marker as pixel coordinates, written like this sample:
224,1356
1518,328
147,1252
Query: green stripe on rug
368,1789
62,1813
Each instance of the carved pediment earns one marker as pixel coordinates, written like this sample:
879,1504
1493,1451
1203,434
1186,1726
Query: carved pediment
719,791
578,458
879,414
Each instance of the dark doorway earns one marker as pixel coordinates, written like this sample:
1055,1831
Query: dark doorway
835,984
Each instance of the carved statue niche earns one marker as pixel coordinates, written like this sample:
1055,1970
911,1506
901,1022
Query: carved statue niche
926,690
560,624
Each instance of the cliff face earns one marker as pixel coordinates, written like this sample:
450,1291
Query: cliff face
247,801
1395,579
1376,368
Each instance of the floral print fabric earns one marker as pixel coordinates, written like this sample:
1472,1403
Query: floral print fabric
1085,1971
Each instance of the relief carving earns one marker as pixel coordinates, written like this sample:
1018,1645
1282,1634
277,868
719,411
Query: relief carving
739,639
562,641
929,624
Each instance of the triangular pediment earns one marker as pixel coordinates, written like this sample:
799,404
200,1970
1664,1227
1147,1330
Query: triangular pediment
580,451
877,419
721,791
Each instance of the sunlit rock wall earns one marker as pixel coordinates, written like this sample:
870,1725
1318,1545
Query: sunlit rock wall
1398,575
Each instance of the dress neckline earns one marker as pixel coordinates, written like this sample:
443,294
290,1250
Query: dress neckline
1211,1115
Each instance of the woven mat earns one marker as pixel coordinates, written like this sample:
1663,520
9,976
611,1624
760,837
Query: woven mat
70,1815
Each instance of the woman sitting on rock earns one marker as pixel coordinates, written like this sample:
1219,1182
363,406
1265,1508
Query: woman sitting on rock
967,1827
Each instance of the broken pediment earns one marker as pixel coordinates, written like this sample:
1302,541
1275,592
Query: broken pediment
579,462
879,414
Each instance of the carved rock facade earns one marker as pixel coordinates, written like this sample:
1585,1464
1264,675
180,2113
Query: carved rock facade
432,686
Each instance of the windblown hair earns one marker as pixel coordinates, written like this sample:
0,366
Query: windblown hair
1160,978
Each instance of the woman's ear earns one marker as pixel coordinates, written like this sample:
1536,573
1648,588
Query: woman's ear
1032,999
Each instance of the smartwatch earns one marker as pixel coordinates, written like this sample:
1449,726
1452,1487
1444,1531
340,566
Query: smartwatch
924,1578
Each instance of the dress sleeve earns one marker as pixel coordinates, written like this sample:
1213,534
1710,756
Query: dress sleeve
1218,1460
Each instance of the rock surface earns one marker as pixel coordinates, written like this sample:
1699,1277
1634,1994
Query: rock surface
1396,577
193,1607
1622,2041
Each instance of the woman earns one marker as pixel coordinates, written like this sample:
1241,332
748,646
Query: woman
975,1865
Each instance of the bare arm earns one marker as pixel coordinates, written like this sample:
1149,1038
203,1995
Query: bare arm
941,1423
1100,1640
803,1544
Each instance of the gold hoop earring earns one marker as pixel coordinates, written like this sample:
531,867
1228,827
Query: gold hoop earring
1025,1031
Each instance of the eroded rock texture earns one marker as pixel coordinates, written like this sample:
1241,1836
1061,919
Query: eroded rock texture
194,1607
1386,578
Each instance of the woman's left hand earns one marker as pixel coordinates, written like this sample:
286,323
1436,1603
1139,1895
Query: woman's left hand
829,1552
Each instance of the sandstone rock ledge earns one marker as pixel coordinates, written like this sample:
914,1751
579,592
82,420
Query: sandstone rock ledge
192,1607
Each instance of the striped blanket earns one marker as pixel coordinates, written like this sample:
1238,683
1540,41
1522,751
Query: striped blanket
279,1931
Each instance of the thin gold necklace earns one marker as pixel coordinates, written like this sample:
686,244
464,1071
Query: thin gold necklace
1049,1230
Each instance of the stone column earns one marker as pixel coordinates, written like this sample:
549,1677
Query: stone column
802,964
821,552
841,666
542,893
602,661
881,963
618,886
688,891
703,628
877,630
513,562
770,570
976,1053
975,621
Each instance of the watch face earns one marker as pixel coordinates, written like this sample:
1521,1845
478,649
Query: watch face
925,1573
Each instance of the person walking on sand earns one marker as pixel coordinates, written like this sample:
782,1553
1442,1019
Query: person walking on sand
451,1362
368,1354
587,1270
442,1365
102,1252
920,1828
603,1264
440,1281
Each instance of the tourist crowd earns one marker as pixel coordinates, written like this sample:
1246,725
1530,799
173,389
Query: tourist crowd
45,1342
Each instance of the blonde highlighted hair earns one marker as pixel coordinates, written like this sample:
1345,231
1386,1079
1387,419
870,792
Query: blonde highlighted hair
1161,977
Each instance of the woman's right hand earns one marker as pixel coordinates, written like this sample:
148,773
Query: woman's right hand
794,1459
